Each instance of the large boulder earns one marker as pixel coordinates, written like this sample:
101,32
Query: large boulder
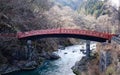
50,56
80,66
54,56
30,65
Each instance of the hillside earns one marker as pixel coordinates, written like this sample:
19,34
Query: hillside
104,16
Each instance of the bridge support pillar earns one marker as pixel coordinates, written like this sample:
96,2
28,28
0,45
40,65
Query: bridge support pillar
88,52
29,49
108,41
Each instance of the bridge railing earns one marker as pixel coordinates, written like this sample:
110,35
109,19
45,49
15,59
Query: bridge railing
64,31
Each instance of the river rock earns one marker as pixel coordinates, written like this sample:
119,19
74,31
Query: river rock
7,69
50,56
61,47
11,69
80,66
31,63
54,56
3,67
73,51
65,53
21,64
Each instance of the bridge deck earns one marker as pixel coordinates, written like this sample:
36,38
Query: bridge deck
65,33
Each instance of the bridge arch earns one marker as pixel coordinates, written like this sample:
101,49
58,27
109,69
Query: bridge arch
61,32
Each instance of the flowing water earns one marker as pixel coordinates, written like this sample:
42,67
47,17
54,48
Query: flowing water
61,66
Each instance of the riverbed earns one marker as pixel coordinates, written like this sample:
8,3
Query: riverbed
62,66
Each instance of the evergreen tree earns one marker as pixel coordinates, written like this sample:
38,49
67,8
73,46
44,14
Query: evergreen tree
92,7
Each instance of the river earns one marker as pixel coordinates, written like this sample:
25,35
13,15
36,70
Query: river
61,66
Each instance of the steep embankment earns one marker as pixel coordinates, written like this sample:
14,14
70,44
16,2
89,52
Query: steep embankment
104,18
109,58
105,62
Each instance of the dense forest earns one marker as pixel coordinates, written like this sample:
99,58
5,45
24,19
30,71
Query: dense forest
106,15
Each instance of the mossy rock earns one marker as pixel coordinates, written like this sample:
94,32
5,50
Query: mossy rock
110,70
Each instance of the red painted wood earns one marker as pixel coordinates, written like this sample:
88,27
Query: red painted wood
60,31
65,31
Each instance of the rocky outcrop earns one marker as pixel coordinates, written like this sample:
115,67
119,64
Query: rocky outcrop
15,56
49,56
8,68
80,66
105,62
87,66
30,65
114,67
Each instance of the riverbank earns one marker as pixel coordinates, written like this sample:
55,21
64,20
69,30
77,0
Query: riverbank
21,65
28,65
16,55
105,62
61,66
86,66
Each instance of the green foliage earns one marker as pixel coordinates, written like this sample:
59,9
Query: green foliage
92,7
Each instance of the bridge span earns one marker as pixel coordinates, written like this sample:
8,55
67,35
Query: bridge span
62,32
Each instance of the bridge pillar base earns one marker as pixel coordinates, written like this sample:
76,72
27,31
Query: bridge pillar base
108,41
88,52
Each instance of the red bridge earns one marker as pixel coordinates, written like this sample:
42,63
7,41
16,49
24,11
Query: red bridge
74,33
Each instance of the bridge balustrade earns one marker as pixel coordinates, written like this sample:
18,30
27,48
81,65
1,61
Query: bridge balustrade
63,31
